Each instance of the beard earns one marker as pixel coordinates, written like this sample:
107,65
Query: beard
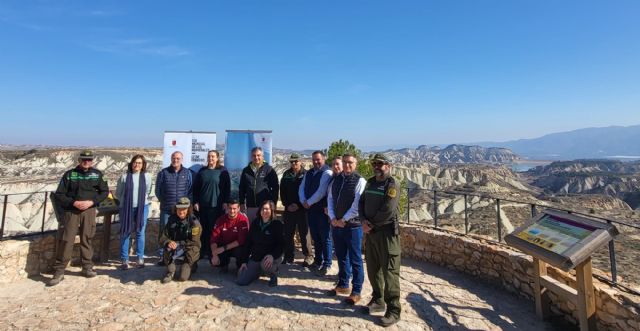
378,172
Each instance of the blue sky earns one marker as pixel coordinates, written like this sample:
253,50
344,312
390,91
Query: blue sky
113,73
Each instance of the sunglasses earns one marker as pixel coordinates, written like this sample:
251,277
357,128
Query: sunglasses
378,164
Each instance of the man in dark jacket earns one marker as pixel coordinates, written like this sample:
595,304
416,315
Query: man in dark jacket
172,183
258,183
79,193
294,213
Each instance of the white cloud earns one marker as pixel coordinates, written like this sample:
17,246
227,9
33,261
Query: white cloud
137,46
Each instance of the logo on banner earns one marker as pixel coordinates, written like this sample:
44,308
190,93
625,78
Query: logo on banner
173,142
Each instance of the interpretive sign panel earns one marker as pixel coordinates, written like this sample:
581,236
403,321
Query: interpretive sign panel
561,239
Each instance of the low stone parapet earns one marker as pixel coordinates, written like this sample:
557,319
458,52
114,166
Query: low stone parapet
33,255
513,270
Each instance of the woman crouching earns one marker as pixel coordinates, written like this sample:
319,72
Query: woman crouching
264,245
181,238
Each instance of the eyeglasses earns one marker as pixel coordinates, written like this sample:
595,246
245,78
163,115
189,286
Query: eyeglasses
292,162
138,162
378,164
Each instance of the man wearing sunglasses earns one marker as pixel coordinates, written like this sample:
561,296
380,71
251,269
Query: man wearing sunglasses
379,210
79,193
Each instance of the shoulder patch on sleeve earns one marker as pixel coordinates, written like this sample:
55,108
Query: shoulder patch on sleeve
195,230
392,192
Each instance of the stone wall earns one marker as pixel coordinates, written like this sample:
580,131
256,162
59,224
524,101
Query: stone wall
513,270
33,255
495,263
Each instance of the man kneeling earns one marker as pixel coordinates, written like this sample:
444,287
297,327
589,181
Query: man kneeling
181,238
228,237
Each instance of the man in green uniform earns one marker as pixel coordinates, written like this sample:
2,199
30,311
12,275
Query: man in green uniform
379,209
181,237
79,193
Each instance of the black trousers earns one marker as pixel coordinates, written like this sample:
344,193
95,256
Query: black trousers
239,253
293,220
208,217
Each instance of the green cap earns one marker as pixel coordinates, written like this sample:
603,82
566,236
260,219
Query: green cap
379,157
86,155
294,157
183,203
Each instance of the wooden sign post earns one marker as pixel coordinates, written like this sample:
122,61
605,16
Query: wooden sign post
583,297
565,241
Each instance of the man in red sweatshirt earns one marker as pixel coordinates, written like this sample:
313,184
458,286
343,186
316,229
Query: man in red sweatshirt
228,237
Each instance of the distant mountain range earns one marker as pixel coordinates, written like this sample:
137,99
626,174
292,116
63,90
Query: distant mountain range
621,142
452,154
613,142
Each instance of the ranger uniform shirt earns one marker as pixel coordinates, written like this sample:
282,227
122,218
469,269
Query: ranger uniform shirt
182,231
289,186
379,202
78,184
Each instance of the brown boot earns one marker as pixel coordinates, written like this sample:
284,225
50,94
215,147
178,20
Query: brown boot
352,299
58,276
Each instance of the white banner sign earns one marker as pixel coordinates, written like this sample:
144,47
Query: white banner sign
193,146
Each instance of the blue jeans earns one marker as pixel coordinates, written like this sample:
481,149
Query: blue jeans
348,245
321,234
164,218
124,241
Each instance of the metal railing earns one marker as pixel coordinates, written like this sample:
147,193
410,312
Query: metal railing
45,205
5,203
436,217
437,196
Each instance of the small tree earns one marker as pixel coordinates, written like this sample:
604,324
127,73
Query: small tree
341,147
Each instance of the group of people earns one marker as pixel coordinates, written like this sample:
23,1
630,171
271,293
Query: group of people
331,207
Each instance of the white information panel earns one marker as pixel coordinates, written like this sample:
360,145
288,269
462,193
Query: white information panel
193,145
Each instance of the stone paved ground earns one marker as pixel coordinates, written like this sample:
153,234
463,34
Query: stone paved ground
433,298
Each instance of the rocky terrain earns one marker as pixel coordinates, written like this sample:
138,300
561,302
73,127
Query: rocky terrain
452,154
612,178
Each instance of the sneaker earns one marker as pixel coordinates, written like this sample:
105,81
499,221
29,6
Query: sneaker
167,278
273,281
374,308
124,265
57,278
352,299
388,321
321,272
89,273
140,263
338,290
